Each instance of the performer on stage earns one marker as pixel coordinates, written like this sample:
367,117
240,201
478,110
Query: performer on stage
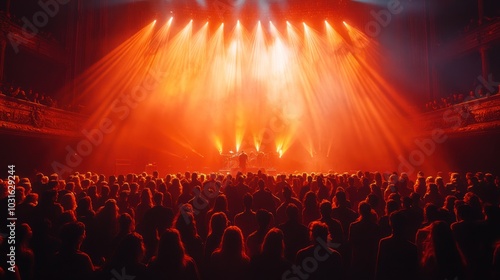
243,158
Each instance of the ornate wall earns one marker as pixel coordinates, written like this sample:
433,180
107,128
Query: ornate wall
30,119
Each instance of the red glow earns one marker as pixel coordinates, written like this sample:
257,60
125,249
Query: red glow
304,93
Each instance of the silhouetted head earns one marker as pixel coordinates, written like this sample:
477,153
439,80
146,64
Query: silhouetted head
247,201
220,203
218,223
158,198
261,184
399,222
310,200
318,231
391,206
263,218
126,222
287,192
273,244
232,242
325,208
130,249
364,209
171,250
72,235
431,212
292,212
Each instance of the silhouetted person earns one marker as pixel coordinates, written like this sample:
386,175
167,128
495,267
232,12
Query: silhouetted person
246,220
364,236
243,161
48,208
329,261
310,212
186,225
441,258
70,262
235,196
25,258
342,212
397,257
172,262
433,196
175,190
256,238
431,215
84,211
334,226
143,206
270,263
218,223
296,234
103,231
155,221
469,235
126,259
281,215
263,198
230,261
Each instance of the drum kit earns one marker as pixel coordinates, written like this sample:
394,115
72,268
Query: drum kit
256,159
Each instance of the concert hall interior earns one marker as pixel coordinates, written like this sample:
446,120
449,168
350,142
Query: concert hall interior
235,88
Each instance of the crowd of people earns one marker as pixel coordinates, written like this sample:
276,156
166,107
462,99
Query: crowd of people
33,96
360,225
458,98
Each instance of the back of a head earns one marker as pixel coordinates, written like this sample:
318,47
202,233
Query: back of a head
261,184
318,231
431,212
292,212
126,222
71,234
287,192
158,198
232,242
170,248
364,209
398,221
433,188
130,249
218,223
391,206
247,200
340,197
220,203
310,200
325,208
465,212
263,218
273,243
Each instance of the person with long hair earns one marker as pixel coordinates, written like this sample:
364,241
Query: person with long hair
270,263
441,258
230,261
218,223
172,262
128,255
310,212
